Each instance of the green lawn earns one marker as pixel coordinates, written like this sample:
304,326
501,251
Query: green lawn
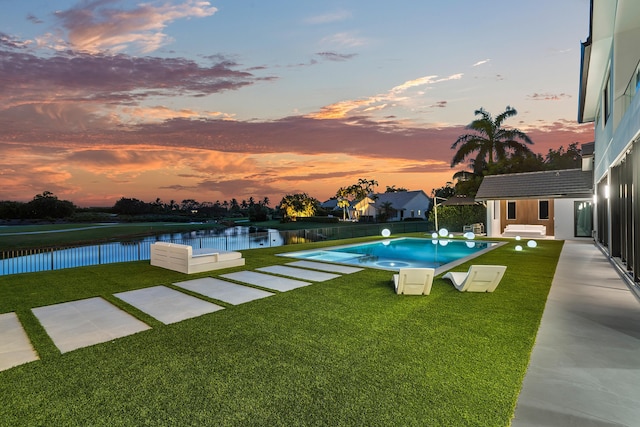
347,352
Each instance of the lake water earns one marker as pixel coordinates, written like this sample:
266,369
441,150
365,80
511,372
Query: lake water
229,239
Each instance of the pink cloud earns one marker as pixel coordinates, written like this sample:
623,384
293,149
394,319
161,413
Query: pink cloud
97,26
217,159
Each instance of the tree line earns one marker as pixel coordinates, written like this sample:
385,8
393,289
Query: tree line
44,205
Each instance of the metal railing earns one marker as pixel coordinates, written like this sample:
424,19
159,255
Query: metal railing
56,258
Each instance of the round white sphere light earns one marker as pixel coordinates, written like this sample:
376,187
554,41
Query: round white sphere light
532,243
434,235
386,232
443,232
469,235
517,237
518,248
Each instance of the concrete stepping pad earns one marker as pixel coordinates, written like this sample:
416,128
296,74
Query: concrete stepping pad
76,324
167,305
299,273
331,268
223,291
265,280
15,347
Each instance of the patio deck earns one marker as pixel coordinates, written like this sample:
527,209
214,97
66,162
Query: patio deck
584,369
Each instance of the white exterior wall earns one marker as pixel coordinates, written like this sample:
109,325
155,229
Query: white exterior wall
492,227
564,219
419,205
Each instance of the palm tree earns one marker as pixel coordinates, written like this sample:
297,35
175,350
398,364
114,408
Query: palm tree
343,200
386,211
490,140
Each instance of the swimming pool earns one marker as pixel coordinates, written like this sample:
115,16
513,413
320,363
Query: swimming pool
406,252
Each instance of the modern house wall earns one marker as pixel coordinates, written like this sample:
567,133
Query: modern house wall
609,88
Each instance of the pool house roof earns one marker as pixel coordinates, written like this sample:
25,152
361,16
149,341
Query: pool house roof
566,183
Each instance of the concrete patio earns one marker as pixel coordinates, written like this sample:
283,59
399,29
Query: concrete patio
585,366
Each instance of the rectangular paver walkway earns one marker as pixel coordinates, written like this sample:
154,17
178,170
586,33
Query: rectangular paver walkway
268,281
222,290
323,266
75,324
299,273
15,347
166,304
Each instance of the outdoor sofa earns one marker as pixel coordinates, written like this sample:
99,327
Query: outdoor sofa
185,259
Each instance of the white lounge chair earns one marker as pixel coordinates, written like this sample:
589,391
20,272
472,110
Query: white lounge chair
414,281
479,278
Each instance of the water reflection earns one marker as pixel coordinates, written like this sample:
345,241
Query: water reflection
228,239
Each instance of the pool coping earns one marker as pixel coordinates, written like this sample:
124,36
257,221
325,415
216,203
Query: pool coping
439,270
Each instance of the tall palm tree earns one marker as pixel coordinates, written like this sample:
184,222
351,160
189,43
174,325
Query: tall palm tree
490,141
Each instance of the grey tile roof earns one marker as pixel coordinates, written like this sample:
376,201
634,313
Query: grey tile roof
551,184
398,199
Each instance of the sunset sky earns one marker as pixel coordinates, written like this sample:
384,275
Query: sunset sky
213,100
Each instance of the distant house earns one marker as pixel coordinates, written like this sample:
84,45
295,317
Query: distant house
331,206
560,200
402,204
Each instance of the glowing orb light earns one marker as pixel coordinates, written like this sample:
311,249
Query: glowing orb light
434,235
518,248
517,237
443,232
386,232
532,243
469,235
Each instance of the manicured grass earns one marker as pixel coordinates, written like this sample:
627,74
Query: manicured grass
344,352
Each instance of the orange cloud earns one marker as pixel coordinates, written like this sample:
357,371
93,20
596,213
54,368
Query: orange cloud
392,98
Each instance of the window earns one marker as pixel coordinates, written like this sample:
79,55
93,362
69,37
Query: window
607,100
511,210
583,216
543,209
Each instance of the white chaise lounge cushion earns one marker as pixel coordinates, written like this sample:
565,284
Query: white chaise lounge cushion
479,278
414,281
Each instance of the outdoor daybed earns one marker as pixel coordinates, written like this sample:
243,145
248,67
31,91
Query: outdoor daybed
524,230
185,259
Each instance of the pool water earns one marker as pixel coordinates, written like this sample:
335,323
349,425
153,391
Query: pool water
393,254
